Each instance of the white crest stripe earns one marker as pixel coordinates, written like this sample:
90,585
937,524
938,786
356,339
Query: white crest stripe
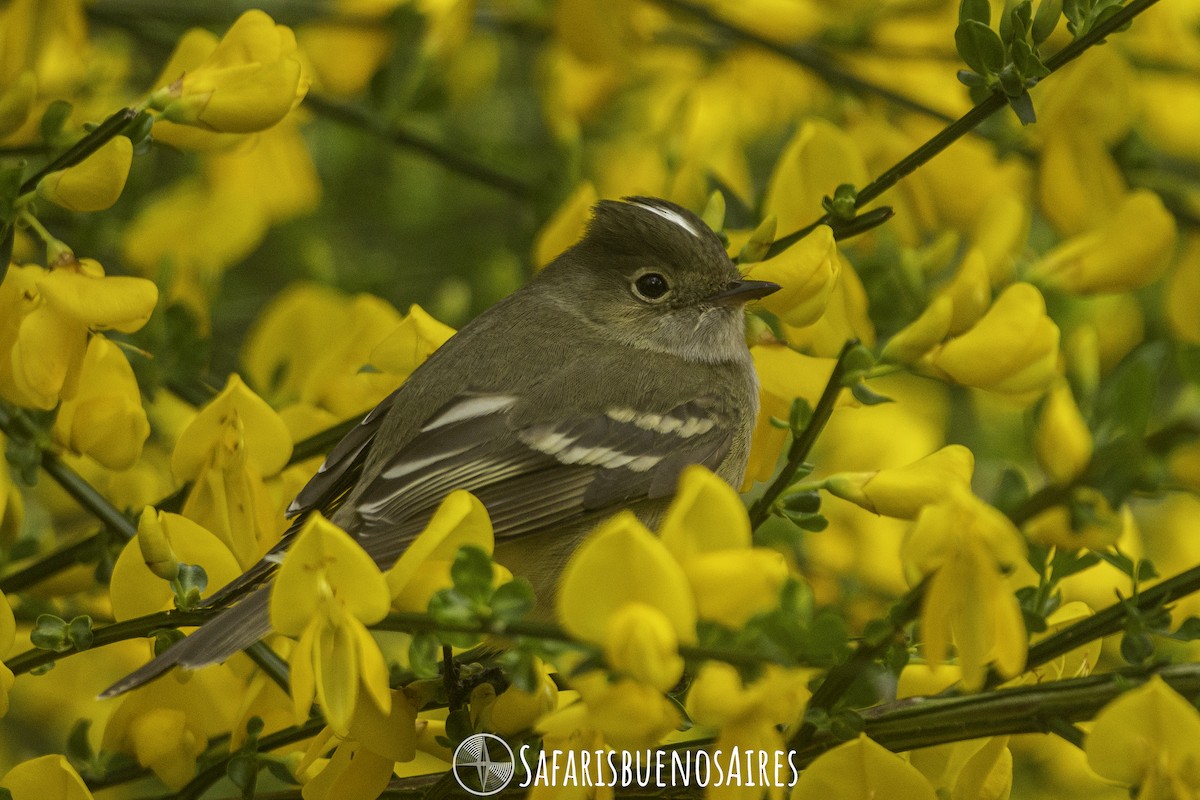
670,216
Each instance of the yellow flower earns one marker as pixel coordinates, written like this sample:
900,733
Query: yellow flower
344,55
707,530
861,770
166,724
164,541
1079,183
515,710
1000,234
49,39
565,226
95,183
48,315
1011,351
105,419
623,590
921,335
970,290
45,778
1062,441
1094,525
424,567
1125,252
1087,109
629,714
202,226
818,159
362,763
226,450
846,317
903,491
248,82
1148,737
16,101
748,716
807,271
415,339
327,591
965,547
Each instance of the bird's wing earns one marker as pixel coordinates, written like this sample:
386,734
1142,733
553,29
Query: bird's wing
534,475
343,464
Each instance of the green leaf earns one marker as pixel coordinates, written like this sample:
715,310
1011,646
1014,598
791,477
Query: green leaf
189,585
1046,20
513,600
243,772
50,633
164,638
279,770
79,631
79,747
1022,106
1136,647
1188,630
53,119
802,502
846,725
973,79
800,414
1027,63
979,46
868,397
977,10
472,573
423,654
856,363
1018,22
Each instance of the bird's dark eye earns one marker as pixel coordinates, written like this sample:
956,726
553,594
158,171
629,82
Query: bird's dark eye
651,286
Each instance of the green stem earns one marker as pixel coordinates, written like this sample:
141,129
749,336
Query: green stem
207,777
917,722
803,443
18,429
272,665
810,56
407,622
968,121
839,679
136,628
453,160
1107,621
90,143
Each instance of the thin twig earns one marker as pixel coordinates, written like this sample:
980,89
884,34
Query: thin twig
361,118
968,121
803,442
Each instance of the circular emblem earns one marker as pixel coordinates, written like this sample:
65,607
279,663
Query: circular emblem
483,764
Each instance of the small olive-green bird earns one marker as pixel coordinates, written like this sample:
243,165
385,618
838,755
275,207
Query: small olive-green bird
586,391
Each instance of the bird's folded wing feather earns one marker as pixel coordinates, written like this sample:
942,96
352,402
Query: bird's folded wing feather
533,476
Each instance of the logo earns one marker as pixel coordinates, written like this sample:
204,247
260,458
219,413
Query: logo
483,764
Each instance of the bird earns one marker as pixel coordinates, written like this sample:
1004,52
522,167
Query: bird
588,390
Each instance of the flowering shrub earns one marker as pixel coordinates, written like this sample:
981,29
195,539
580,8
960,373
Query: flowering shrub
963,562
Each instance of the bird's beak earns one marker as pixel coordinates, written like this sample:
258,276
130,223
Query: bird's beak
742,290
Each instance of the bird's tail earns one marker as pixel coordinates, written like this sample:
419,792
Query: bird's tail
231,631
